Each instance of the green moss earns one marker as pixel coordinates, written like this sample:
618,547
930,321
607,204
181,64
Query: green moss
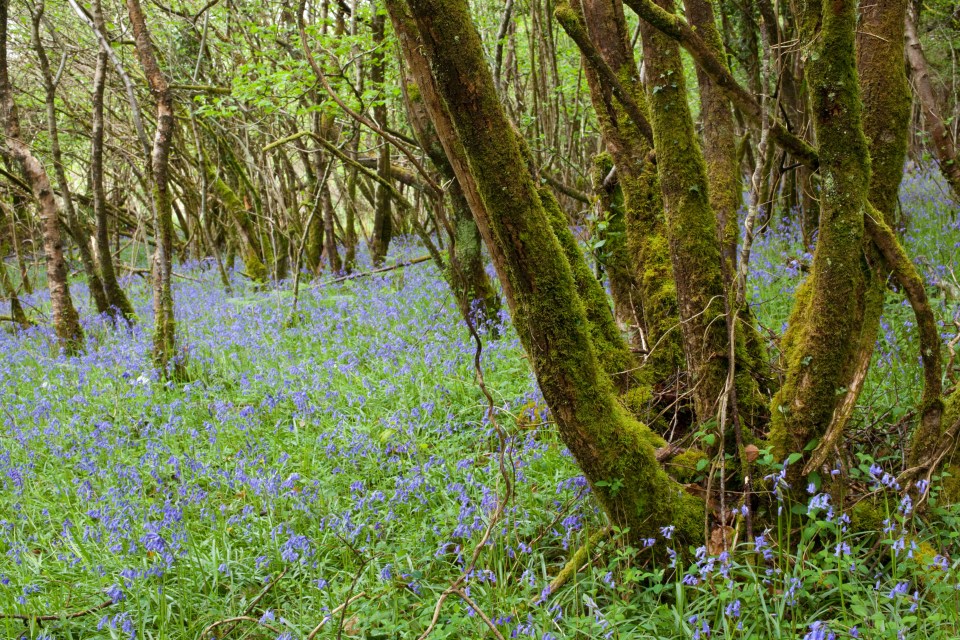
886,98
613,450
613,257
684,467
636,401
611,349
468,278
827,319
253,259
866,516
691,227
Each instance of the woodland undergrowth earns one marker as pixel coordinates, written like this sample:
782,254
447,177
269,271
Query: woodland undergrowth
331,477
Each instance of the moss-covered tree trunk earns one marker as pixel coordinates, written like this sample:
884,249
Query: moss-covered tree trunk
16,309
885,94
329,231
642,279
826,325
471,286
691,225
615,453
419,67
251,252
116,298
350,225
719,137
752,373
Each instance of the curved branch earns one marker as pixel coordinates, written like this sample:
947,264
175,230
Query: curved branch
435,189
678,29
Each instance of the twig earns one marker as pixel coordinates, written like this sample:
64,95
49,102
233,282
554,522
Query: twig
343,609
483,616
508,479
237,620
146,272
245,616
399,265
61,616
329,617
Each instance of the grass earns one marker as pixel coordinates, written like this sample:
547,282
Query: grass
349,458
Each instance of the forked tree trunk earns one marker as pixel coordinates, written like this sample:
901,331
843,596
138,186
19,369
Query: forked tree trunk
642,279
825,326
66,321
615,452
164,340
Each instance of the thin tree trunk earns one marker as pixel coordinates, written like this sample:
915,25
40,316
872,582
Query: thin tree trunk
471,287
164,341
944,144
66,321
382,218
116,298
76,227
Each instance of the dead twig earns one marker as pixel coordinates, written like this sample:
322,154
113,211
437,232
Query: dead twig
235,621
57,616
329,617
245,615
399,265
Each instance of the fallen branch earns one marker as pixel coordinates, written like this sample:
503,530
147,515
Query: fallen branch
577,560
60,616
399,265
145,272
237,620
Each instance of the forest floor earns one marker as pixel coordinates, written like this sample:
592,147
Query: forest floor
332,478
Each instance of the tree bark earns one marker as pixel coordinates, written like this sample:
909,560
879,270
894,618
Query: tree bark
944,144
641,275
164,341
382,220
76,228
475,295
66,321
825,325
116,298
691,225
615,452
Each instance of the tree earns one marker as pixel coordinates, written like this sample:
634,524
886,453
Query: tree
616,453
66,321
164,341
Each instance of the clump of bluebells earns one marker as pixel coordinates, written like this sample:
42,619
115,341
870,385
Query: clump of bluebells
349,458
